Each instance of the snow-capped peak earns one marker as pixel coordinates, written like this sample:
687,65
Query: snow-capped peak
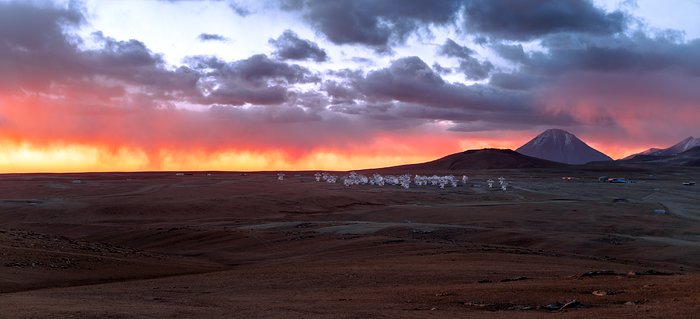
689,143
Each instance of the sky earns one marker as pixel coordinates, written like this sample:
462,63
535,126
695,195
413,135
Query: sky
336,85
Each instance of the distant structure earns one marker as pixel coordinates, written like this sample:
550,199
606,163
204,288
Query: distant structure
404,181
504,184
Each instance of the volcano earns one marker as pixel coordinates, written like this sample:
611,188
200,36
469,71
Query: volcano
563,147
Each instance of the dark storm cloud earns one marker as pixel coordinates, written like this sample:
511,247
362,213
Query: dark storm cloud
211,37
452,49
255,80
410,80
340,92
38,53
529,19
466,119
472,68
373,23
409,90
638,51
290,47
440,69
132,63
515,81
125,53
512,52
33,48
380,24
570,53
259,70
39,56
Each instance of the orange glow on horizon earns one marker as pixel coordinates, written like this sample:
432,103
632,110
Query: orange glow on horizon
38,134
63,158
59,158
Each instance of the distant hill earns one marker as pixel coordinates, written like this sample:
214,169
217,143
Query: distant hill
689,157
561,146
488,158
680,147
647,152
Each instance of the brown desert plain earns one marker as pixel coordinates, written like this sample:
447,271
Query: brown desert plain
235,245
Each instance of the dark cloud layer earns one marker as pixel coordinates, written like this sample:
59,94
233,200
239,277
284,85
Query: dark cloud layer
288,46
422,93
472,68
380,24
42,54
567,54
30,36
587,72
528,19
373,23
512,52
255,80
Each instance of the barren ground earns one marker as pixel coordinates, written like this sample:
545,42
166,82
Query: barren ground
231,245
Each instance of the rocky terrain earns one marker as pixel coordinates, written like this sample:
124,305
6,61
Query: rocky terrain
220,245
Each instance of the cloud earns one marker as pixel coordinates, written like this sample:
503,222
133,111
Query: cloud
440,69
529,19
409,91
516,81
239,9
42,57
638,51
410,80
255,80
211,37
452,49
377,24
512,52
33,47
288,46
119,92
472,68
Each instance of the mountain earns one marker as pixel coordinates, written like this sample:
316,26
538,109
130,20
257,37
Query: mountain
488,158
561,146
689,157
678,148
649,152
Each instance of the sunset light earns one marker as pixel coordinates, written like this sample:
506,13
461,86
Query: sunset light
112,86
342,159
